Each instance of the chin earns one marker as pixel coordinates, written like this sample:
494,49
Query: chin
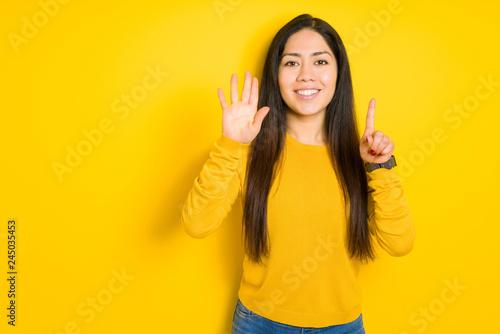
308,111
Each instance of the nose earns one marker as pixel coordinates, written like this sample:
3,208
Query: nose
306,73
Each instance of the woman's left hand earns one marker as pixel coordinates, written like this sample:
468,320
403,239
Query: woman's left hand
375,147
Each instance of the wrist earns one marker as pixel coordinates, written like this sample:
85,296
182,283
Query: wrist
370,167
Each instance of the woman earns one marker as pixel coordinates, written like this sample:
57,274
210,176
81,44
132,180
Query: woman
313,192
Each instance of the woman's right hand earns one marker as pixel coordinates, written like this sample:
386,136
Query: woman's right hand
241,121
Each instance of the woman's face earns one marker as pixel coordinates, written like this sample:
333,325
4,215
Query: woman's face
307,73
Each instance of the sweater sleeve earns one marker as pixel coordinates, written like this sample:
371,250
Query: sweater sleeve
389,217
215,189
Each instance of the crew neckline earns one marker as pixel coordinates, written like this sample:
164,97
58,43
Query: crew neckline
307,146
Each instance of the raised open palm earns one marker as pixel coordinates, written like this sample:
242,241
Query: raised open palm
241,121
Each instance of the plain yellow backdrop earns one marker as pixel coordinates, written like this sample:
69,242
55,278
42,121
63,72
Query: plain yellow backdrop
109,110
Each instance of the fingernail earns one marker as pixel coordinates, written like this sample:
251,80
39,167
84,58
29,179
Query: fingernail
372,152
379,154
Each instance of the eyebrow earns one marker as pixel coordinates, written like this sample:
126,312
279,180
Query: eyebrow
294,54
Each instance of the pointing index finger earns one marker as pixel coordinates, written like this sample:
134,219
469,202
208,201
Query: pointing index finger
370,115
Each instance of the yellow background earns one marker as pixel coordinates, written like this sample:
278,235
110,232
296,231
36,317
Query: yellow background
118,210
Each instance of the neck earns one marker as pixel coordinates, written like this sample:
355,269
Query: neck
307,129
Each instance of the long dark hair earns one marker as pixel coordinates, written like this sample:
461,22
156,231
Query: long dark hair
265,154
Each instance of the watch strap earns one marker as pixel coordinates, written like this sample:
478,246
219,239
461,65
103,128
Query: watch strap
370,167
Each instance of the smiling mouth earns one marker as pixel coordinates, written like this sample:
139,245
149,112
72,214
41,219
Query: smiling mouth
307,94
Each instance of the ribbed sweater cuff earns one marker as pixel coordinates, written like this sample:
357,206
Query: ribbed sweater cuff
232,146
383,174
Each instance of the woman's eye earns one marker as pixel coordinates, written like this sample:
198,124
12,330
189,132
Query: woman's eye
294,63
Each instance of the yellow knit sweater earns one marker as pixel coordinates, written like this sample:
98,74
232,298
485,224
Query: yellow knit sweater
308,279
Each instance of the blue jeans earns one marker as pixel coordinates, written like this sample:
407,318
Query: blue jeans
248,322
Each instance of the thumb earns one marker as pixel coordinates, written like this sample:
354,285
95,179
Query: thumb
259,116
368,139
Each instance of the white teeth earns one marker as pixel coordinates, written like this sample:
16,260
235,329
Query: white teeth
307,92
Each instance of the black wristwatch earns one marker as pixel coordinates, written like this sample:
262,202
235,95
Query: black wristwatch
387,165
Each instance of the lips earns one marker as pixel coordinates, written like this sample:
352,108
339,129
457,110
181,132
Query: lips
307,94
